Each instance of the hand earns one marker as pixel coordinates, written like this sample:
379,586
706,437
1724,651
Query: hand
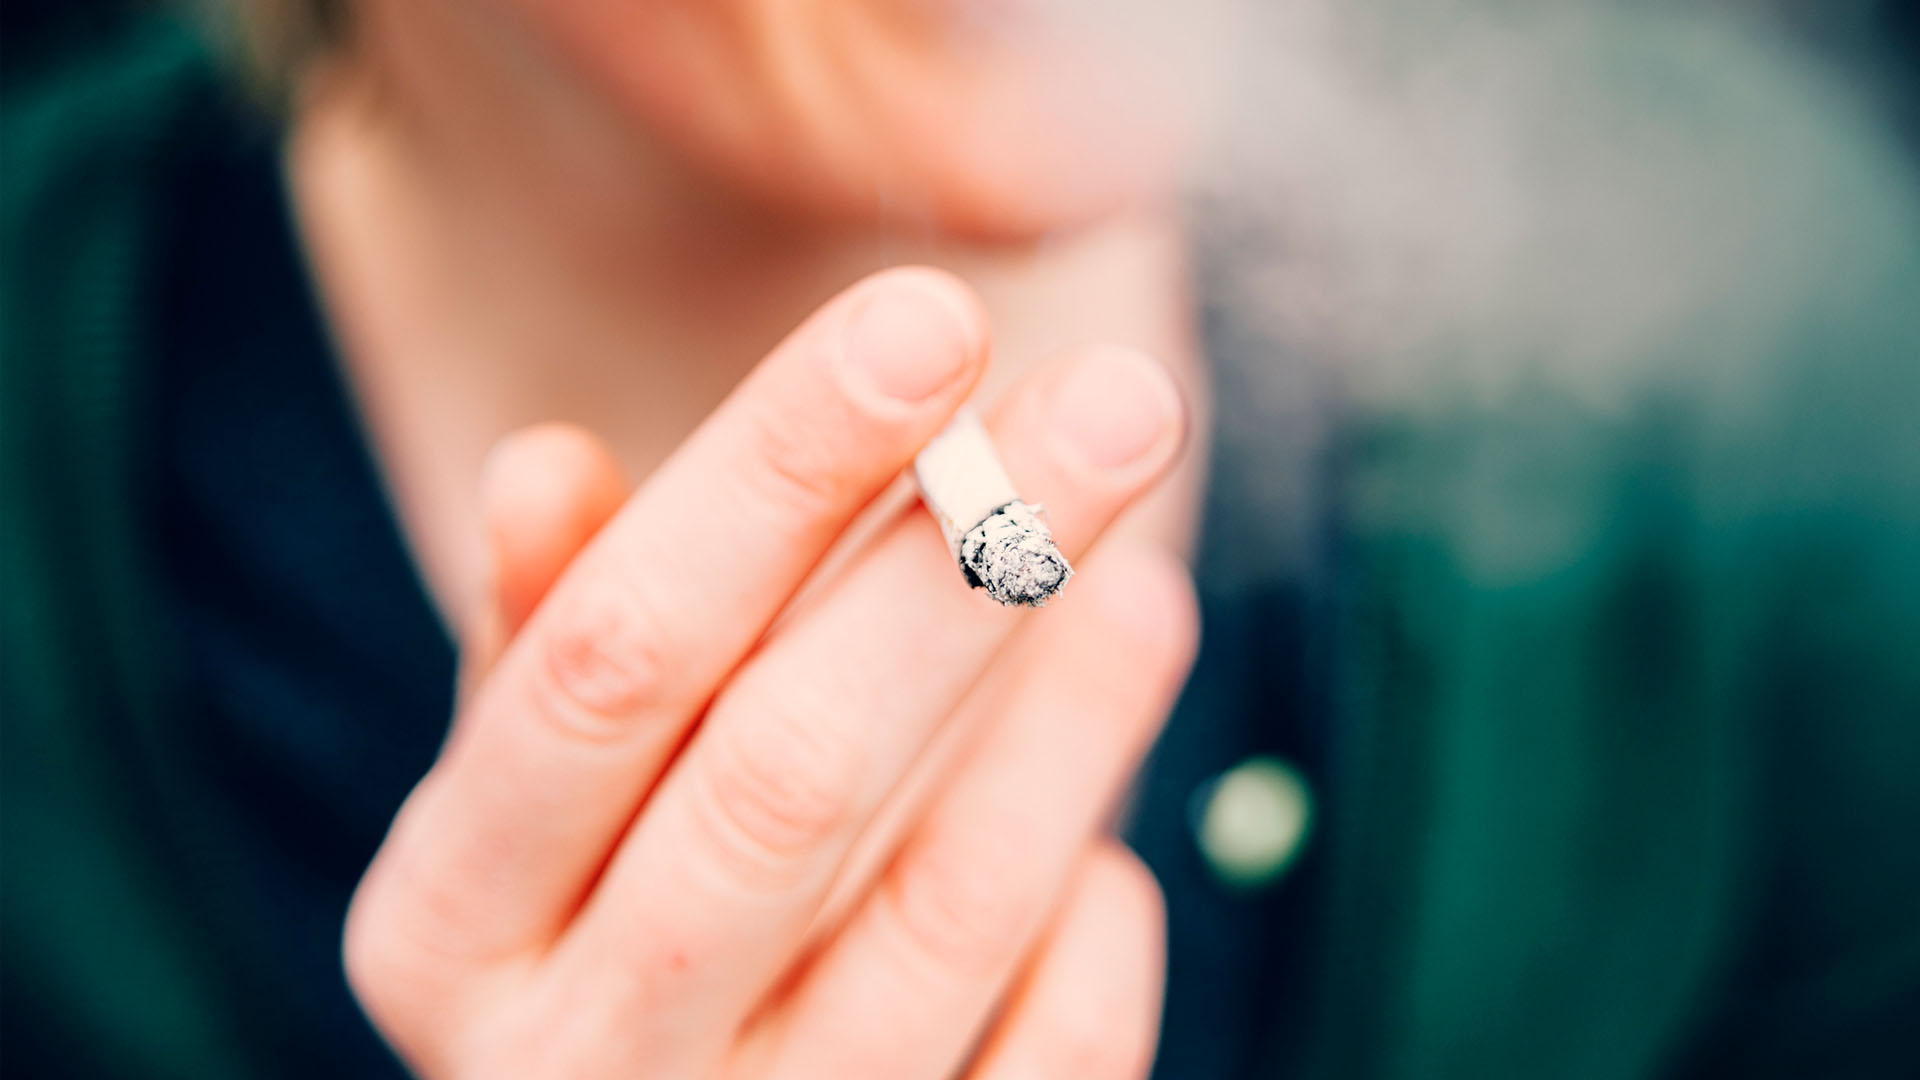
670,836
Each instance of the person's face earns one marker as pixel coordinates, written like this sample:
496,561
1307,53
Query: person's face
1001,118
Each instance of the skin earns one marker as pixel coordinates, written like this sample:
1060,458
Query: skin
744,781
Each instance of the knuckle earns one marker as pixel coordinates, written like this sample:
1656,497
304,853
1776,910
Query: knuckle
962,905
364,960
413,964
390,978
794,468
779,789
406,939
603,660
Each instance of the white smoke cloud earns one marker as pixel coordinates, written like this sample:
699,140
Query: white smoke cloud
1410,201
1477,190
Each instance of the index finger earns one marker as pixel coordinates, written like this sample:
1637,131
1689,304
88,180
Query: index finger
597,692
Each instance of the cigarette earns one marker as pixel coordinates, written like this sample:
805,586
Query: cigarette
999,541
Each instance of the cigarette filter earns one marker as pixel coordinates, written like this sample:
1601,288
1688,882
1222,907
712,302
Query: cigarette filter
1000,542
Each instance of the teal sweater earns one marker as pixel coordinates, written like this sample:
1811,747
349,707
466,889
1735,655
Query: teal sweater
1634,686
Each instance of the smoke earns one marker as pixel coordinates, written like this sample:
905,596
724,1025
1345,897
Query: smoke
1410,203
1473,191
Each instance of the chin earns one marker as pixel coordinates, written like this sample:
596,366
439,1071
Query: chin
974,206
1015,207
868,123
983,178
976,193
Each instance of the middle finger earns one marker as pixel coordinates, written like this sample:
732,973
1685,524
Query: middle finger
702,906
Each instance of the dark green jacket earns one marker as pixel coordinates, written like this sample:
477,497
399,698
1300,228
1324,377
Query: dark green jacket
1630,683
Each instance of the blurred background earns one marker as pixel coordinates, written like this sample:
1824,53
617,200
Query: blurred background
1560,708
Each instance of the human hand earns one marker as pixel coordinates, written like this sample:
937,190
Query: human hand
671,837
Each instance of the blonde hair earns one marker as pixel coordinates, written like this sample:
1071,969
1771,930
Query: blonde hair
280,36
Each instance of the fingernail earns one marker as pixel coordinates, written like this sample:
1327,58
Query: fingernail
1113,407
908,342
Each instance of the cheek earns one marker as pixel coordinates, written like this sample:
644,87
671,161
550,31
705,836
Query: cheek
914,109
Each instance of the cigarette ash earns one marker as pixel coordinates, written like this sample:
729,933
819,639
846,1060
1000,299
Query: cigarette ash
1012,556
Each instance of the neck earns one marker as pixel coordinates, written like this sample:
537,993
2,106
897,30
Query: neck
496,252
521,221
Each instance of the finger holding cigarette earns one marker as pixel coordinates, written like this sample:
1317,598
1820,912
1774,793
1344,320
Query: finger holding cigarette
655,786
740,844
564,736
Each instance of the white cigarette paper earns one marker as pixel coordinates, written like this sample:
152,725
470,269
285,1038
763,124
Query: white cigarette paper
1000,542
